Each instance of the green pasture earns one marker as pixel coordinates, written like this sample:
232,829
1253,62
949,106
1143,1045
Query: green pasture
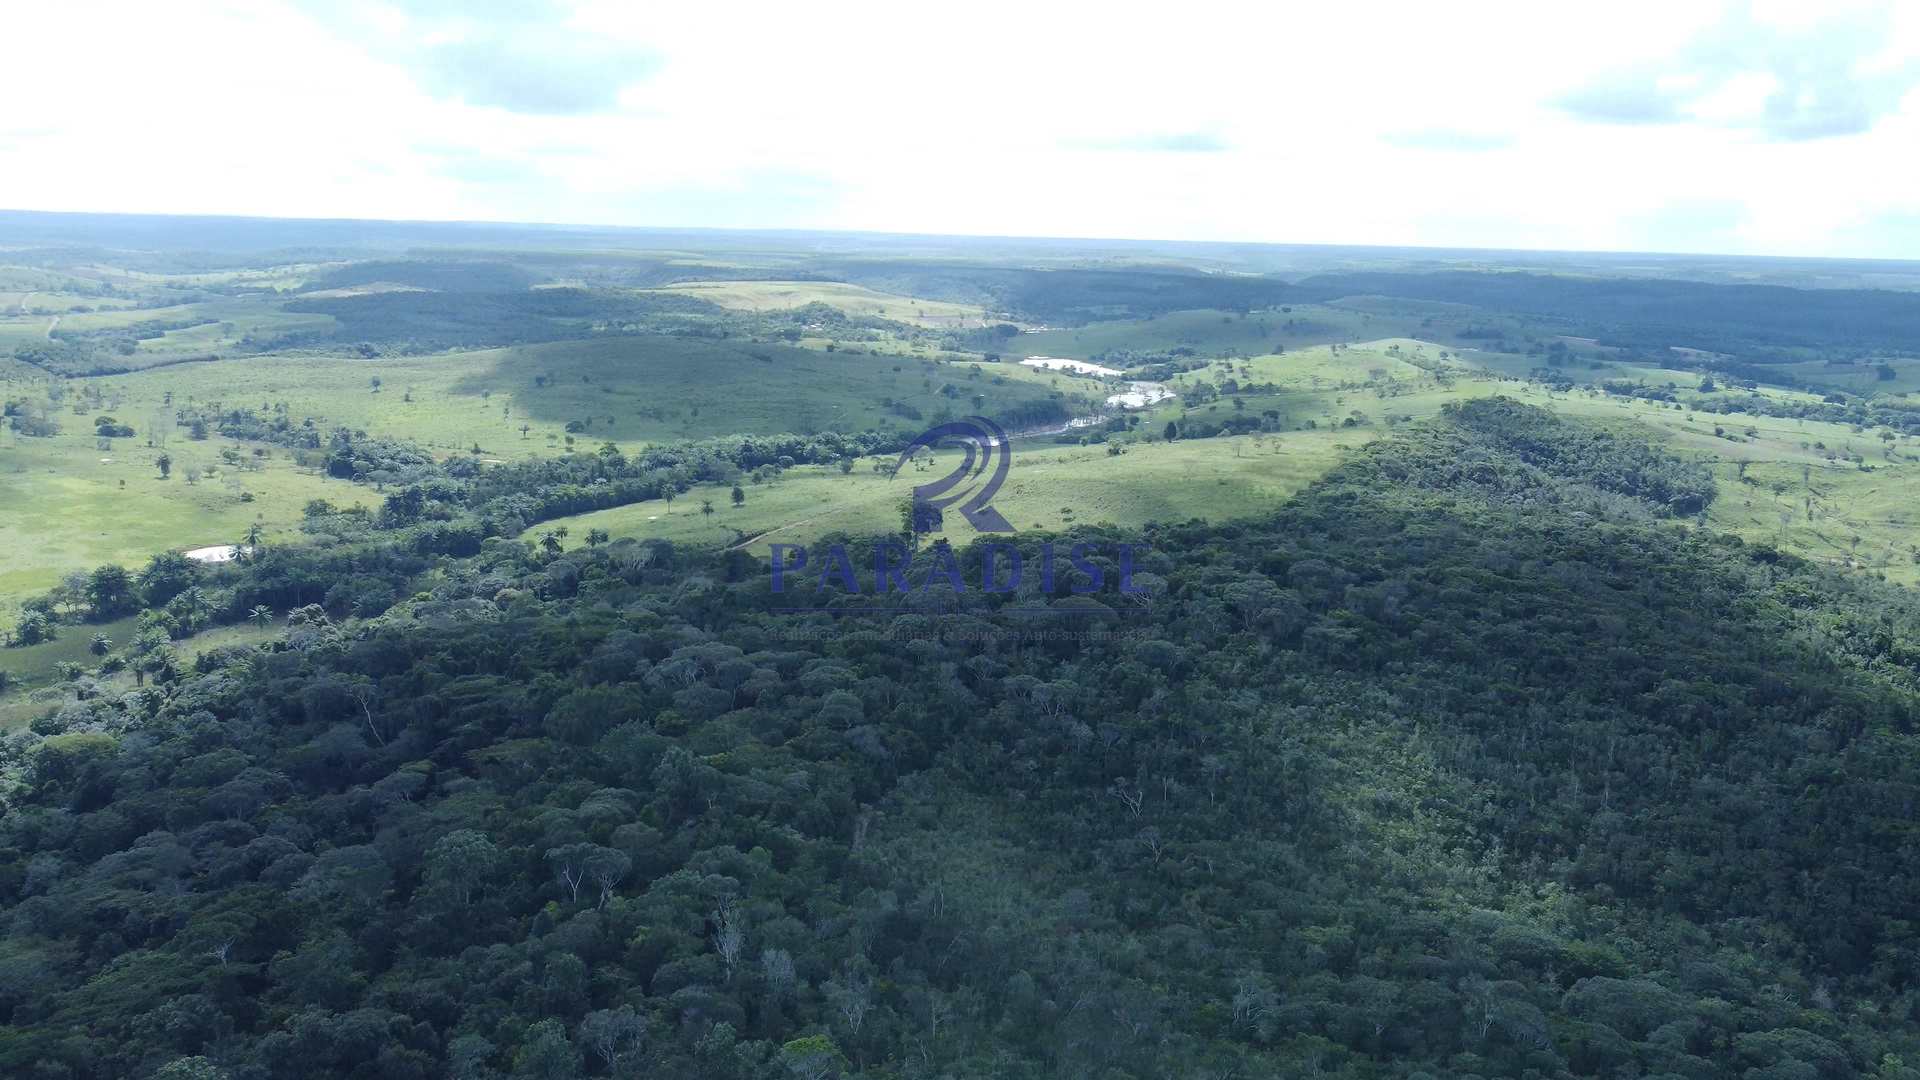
1048,487
72,506
628,390
852,299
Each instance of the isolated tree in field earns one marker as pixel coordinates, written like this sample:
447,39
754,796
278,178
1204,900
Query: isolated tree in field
101,645
165,464
550,543
919,517
596,537
706,508
524,428
261,616
739,496
1172,431
374,383
846,466
668,494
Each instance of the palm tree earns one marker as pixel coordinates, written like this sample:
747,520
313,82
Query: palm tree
194,602
706,508
668,494
101,645
261,616
253,535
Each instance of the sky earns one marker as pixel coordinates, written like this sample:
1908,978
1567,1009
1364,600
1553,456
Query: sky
1679,125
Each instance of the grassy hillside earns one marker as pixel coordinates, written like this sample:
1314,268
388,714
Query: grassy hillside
1048,488
627,390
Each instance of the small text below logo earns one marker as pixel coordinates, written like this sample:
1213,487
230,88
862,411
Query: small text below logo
1002,568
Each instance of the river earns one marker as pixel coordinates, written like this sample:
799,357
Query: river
1139,393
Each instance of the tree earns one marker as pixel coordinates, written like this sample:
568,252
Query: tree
729,936
190,1068
261,616
739,496
110,591
596,537
546,1054
668,493
852,997
918,517
1172,432
459,862
811,1057
570,866
165,464
616,1037
374,383
101,645
608,868
166,576
35,627
706,508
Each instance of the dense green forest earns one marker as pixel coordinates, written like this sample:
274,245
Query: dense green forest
1479,759
1752,321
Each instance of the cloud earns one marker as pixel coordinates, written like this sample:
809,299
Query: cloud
1790,83
1446,140
1627,97
669,115
1173,142
525,58
525,75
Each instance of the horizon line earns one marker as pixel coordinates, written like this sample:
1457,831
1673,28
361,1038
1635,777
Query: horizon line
798,231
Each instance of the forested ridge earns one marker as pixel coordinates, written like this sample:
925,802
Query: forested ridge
1477,759
1758,322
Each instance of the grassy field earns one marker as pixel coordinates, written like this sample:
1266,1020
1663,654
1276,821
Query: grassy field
852,299
210,328
627,390
1048,487
71,506
75,506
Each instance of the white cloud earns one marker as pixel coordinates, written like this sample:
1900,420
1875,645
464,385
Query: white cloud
1498,125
